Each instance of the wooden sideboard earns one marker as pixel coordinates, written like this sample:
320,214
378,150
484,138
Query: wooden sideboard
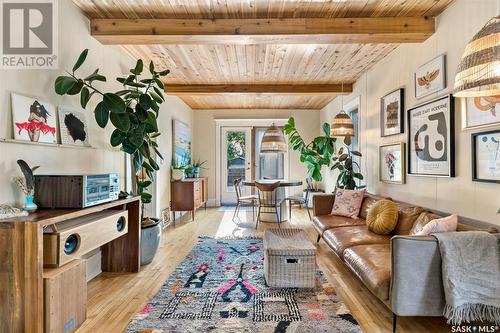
188,195
21,260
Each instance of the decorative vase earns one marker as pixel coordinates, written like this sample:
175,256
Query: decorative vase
177,174
150,240
196,172
29,205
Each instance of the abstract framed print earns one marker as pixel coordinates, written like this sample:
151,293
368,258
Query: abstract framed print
479,112
392,113
73,126
431,138
33,119
430,77
486,157
392,163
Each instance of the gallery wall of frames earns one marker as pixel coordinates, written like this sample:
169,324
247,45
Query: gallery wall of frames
38,121
430,146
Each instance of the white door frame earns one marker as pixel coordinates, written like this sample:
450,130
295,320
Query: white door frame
219,123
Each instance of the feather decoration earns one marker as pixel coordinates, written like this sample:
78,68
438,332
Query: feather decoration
28,175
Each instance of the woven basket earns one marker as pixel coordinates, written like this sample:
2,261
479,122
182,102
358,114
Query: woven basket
289,259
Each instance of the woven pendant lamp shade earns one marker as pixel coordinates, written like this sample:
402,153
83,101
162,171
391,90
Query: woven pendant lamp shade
479,71
273,141
341,125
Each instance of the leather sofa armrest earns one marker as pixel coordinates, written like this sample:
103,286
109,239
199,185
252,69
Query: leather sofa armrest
416,279
322,204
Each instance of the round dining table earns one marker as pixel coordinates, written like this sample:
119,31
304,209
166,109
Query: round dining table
267,214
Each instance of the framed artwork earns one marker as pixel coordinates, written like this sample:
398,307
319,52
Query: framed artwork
486,157
431,138
392,163
430,77
34,120
73,127
480,112
182,142
392,113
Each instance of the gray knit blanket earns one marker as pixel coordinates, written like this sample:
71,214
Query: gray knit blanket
471,276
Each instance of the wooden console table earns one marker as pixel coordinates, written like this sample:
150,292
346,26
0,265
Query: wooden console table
21,260
188,195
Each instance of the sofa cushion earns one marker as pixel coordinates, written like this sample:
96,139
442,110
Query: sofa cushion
382,217
424,218
368,201
468,227
324,222
372,264
347,202
407,215
340,239
444,224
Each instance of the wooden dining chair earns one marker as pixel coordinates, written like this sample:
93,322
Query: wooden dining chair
296,200
243,200
268,199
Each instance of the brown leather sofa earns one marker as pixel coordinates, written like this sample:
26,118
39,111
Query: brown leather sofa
403,271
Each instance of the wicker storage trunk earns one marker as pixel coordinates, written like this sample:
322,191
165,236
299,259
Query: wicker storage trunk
289,259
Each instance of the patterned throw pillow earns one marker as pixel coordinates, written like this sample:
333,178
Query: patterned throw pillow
444,224
347,203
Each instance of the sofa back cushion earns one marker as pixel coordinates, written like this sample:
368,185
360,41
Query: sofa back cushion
468,227
347,203
382,217
368,201
407,215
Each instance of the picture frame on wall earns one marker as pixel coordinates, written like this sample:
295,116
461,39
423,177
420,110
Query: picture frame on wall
181,133
73,126
430,77
33,120
392,113
480,112
392,163
431,138
486,156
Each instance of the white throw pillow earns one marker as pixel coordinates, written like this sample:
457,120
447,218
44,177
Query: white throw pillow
445,224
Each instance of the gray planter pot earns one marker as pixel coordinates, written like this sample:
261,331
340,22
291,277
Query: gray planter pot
150,241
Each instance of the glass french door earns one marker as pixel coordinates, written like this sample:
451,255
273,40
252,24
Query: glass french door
236,161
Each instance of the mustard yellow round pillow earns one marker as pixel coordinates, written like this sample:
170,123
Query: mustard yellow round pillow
382,217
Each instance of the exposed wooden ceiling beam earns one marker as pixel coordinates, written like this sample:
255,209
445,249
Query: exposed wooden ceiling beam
263,31
264,89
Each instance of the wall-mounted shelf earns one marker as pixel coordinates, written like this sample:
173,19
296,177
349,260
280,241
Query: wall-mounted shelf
45,144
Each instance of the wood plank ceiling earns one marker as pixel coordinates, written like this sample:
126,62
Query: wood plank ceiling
230,64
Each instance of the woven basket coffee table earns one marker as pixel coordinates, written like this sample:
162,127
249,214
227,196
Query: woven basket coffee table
289,259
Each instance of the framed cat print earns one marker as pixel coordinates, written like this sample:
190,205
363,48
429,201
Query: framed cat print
392,163
430,77
392,113
431,138
486,157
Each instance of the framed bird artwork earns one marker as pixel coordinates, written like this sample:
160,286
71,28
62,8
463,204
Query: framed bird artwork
430,77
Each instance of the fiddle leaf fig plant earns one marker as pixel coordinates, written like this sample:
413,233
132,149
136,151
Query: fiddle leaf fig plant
132,111
314,154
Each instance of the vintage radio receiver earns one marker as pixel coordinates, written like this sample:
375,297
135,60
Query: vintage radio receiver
75,191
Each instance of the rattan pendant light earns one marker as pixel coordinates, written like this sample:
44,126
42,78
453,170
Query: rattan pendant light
273,141
341,125
479,71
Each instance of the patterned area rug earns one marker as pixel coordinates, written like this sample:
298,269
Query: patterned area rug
220,287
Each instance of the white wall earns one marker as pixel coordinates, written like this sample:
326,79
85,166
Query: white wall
74,36
204,138
455,27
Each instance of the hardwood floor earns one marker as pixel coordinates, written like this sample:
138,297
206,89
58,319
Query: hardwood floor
113,298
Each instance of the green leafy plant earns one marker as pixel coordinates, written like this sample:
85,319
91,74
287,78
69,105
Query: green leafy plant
349,169
133,111
314,154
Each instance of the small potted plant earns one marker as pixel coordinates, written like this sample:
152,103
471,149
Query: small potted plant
178,170
196,168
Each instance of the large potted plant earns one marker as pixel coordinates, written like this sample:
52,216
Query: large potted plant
133,112
321,152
